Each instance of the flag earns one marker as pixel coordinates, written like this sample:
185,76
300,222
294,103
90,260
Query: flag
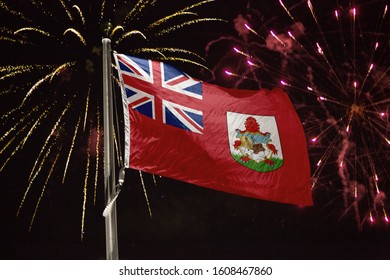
243,142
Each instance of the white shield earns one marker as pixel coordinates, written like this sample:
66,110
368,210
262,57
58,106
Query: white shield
254,141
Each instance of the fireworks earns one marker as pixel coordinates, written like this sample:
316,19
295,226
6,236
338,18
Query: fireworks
50,80
333,60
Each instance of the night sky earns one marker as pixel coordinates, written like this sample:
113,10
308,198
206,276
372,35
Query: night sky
188,222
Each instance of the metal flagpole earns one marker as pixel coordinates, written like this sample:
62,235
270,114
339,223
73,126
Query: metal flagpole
109,154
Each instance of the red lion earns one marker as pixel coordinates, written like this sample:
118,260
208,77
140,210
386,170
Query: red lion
251,125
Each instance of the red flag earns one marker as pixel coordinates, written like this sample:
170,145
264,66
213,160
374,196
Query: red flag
244,142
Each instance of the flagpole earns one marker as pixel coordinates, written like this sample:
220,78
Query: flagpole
109,154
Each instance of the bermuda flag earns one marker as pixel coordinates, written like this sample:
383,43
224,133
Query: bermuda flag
243,142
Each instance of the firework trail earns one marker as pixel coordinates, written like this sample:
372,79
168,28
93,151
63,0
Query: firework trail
50,80
333,60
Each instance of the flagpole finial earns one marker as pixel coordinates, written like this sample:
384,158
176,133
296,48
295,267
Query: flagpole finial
106,41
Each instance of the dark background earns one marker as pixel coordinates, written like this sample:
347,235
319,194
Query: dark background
188,222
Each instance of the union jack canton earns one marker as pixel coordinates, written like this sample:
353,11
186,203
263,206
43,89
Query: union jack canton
161,92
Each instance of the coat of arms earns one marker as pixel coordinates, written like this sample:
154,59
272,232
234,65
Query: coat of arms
254,141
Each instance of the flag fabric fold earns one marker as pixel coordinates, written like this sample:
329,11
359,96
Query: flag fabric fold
243,142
